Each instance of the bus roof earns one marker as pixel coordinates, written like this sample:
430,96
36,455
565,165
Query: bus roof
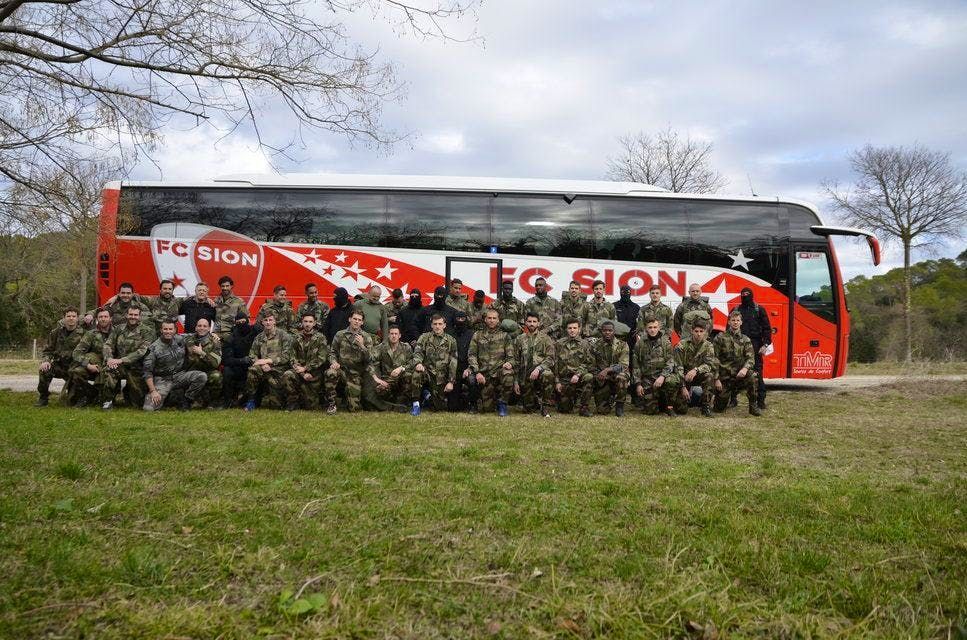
451,183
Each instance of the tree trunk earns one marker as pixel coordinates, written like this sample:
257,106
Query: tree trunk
83,278
907,304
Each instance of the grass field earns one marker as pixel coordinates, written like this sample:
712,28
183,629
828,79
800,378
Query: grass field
833,516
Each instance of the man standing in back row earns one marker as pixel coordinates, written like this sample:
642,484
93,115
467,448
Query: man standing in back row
692,310
756,325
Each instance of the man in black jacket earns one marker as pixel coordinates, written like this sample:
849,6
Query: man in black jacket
408,318
235,358
197,307
627,312
756,325
464,389
439,306
338,318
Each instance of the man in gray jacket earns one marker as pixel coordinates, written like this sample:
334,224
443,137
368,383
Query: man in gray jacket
164,371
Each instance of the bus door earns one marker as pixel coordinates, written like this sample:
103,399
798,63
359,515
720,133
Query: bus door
812,313
476,274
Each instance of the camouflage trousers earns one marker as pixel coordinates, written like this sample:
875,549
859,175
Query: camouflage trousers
133,379
187,384
426,380
613,386
306,392
534,393
396,395
703,380
498,386
654,400
350,381
271,380
212,392
80,385
578,392
731,385
57,370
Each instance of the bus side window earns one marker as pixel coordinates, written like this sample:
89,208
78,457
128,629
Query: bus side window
814,289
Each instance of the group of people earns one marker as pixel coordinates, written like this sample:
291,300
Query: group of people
457,353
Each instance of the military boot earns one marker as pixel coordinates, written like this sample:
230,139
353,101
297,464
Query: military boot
43,400
619,409
754,410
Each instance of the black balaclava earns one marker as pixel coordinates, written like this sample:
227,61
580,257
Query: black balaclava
626,293
340,297
460,322
479,296
507,290
439,297
747,299
416,299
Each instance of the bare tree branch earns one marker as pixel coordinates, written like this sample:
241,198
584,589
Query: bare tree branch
666,160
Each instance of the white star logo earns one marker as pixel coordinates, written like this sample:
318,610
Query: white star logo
341,257
719,299
739,260
312,256
386,272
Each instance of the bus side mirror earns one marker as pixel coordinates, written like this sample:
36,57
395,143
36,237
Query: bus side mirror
874,249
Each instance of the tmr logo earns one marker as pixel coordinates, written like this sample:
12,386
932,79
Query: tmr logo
812,362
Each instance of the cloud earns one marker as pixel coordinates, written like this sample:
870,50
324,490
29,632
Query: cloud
445,142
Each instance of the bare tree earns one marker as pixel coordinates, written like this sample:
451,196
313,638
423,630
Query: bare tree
109,74
910,194
666,160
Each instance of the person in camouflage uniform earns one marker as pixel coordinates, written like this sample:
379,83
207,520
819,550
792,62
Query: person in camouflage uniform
315,306
655,310
611,371
434,366
534,353
118,306
695,363
349,358
490,359
388,369
507,306
456,299
56,358
310,355
572,355
271,353
88,361
123,358
690,310
736,365
227,306
394,306
573,302
477,310
652,369
161,307
548,309
375,318
279,308
165,374
597,310
203,352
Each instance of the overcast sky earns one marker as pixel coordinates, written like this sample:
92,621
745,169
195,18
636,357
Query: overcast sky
783,90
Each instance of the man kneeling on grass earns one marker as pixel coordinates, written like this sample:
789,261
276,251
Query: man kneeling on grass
164,372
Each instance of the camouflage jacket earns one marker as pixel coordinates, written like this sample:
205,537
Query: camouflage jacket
61,343
512,309
278,348
385,359
119,311
90,348
318,309
548,310
128,343
459,303
160,309
438,354
489,350
700,357
347,352
688,312
572,356
661,311
225,311
164,359
284,316
393,311
311,352
733,352
572,309
476,317
594,313
610,355
211,356
652,358
533,350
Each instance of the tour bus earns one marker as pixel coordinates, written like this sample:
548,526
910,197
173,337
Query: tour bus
418,232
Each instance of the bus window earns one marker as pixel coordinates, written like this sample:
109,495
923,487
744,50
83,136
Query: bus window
542,226
641,230
814,290
448,221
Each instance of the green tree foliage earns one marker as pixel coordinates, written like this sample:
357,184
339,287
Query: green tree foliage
939,317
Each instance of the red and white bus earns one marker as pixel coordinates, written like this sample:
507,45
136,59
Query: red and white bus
418,231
